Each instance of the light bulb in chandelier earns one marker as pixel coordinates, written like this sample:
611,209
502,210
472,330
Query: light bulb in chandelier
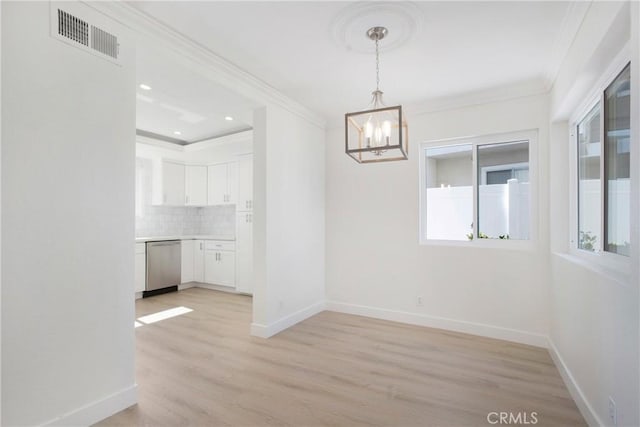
386,131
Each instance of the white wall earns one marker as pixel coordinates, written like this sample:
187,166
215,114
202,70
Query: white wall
594,312
375,265
0,213
289,220
67,224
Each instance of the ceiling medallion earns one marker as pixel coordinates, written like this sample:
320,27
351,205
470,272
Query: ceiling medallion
403,19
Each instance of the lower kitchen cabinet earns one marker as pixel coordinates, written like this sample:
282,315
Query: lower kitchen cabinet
244,252
220,263
198,261
188,258
140,267
205,261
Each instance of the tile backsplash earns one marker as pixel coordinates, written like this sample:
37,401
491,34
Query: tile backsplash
158,221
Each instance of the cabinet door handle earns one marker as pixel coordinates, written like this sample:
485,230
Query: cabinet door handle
200,245
250,204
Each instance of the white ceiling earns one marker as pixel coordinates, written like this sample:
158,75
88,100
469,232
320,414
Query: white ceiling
314,52
182,100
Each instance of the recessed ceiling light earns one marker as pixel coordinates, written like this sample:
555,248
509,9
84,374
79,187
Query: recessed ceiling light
145,87
228,118
177,132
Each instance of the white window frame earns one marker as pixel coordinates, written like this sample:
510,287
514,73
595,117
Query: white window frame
606,262
530,135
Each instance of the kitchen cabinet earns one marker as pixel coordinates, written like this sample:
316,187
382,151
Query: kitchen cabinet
219,263
198,261
245,183
244,252
140,267
244,225
173,183
188,260
195,185
222,184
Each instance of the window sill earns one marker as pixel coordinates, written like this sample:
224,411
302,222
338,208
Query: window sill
619,272
506,245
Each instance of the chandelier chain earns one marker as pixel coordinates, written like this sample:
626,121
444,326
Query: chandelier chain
377,67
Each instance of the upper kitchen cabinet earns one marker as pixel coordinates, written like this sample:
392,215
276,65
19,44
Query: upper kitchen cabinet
222,183
173,184
196,185
245,183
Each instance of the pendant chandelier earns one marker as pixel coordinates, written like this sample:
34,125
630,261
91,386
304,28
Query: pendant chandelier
378,134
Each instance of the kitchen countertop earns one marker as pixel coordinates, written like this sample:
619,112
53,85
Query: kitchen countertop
207,237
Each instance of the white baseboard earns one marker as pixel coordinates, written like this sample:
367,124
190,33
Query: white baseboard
490,331
220,288
266,331
98,410
578,396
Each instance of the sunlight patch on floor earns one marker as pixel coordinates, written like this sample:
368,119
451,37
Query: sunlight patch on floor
162,315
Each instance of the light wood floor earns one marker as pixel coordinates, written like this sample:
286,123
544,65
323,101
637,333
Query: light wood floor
203,369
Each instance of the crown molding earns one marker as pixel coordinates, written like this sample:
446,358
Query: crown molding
571,23
222,140
532,87
196,146
208,63
141,139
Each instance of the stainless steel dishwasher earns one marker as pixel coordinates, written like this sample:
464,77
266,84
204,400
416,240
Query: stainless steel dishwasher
164,261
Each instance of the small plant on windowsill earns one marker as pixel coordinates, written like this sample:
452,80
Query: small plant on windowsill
503,237
587,241
481,235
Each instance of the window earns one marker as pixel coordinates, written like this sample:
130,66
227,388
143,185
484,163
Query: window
503,198
617,124
589,191
476,188
603,154
449,192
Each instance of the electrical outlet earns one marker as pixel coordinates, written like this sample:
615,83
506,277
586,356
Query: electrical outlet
419,301
613,414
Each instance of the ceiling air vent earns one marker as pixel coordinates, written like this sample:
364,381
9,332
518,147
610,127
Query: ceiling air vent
80,29
104,42
73,28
